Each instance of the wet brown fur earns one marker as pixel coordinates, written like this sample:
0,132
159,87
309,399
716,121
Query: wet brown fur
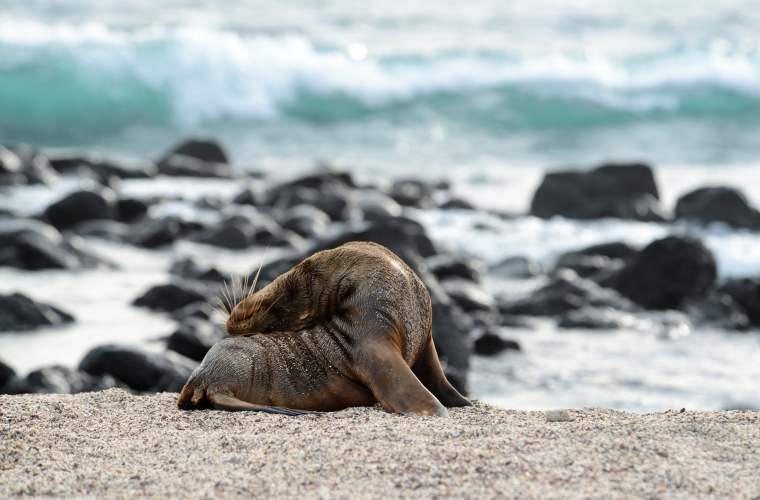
346,327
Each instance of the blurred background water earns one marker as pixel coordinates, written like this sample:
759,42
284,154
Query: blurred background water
486,93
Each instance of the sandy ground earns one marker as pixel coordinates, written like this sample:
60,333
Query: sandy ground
115,445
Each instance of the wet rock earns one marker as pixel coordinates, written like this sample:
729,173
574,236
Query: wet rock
130,209
33,245
566,292
104,229
82,206
6,374
596,318
717,310
333,200
622,191
451,328
718,204
612,250
60,380
247,197
449,265
467,295
197,158
174,295
153,233
141,371
598,261
232,235
103,170
457,204
516,267
413,193
20,313
191,270
490,344
377,206
746,293
21,165
194,338
306,221
665,273
200,310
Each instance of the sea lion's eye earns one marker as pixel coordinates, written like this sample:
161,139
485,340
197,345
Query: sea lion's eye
274,325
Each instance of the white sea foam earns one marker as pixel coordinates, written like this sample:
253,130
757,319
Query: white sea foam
207,73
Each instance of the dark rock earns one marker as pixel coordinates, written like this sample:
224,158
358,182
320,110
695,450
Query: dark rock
513,321
598,261
718,204
20,165
197,158
413,193
102,170
448,265
306,220
612,250
717,310
20,313
194,338
60,380
377,206
451,328
6,374
81,206
566,292
130,209
200,310
622,191
596,318
33,245
247,197
516,267
490,344
333,200
104,229
153,233
141,371
746,293
174,296
232,235
457,204
189,269
665,273
467,295
325,179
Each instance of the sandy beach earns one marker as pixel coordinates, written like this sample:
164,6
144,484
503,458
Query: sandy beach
115,445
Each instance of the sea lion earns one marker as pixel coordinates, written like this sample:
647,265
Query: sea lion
346,327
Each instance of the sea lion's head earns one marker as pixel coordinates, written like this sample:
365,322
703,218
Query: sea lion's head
283,305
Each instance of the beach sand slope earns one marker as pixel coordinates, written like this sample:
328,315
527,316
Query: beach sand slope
115,445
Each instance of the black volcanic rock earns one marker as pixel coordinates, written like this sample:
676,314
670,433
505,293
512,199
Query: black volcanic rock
666,273
718,204
194,338
82,206
490,344
153,233
746,292
130,209
141,371
516,267
448,265
467,295
622,191
306,220
20,313
60,380
190,270
197,158
413,193
173,296
6,374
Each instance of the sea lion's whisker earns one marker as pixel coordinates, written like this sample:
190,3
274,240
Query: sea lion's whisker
256,278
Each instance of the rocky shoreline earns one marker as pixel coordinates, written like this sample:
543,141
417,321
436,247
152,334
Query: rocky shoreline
112,444
666,288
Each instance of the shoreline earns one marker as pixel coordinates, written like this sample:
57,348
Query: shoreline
112,445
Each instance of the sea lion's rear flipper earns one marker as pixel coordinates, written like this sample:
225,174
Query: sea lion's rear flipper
231,403
395,387
428,369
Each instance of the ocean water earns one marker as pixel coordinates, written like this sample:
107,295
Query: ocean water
487,94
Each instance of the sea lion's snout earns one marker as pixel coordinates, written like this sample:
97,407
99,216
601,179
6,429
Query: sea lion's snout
247,317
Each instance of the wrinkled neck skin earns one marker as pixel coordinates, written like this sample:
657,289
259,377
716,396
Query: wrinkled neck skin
289,303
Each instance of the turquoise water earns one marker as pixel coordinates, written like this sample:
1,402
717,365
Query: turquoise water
532,82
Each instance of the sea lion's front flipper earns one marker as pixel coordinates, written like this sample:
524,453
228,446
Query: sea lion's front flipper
428,369
393,384
230,403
